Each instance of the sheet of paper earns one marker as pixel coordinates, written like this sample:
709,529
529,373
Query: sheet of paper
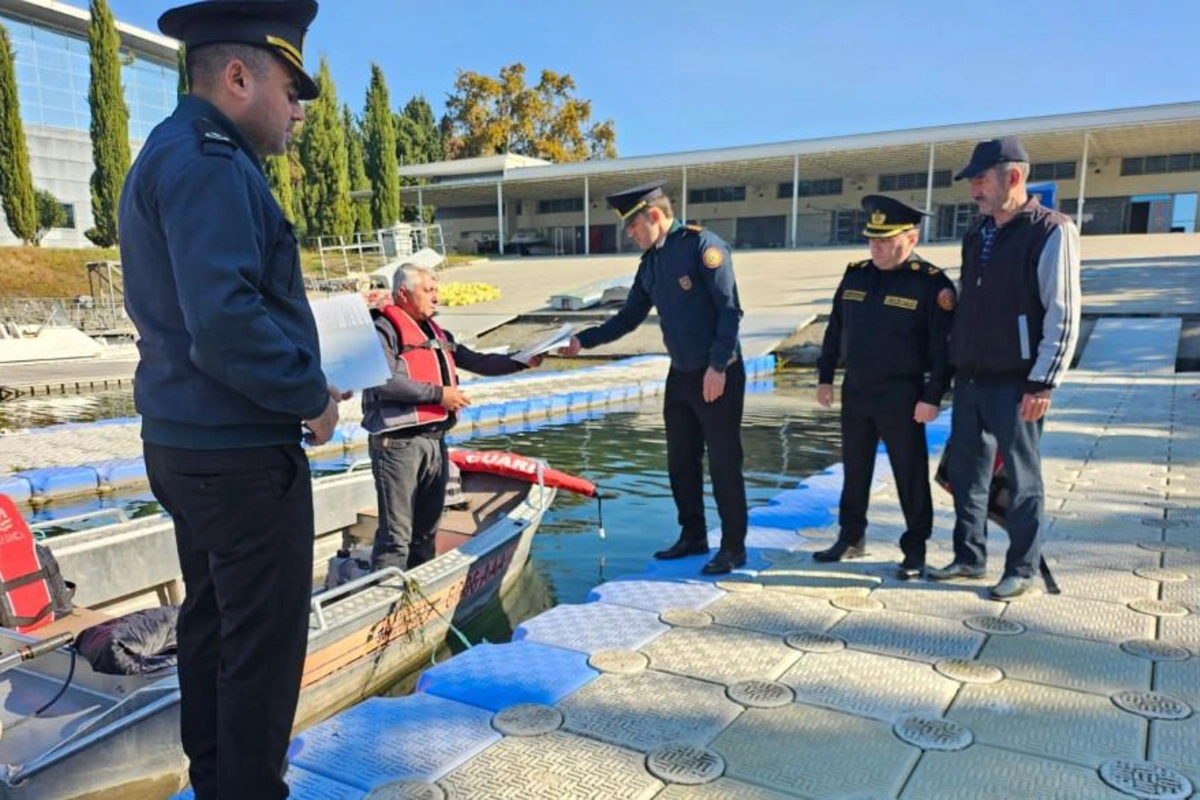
558,338
352,356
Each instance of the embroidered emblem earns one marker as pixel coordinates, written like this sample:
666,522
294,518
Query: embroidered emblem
900,302
878,218
945,299
713,257
854,294
685,283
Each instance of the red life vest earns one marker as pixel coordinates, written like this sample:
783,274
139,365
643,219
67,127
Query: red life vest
31,588
423,359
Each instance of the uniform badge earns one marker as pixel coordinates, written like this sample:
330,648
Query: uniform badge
685,283
713,257
856,295
946,300
900,302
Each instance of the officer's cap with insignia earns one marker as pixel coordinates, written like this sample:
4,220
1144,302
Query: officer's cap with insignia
631,201
275,25
887,216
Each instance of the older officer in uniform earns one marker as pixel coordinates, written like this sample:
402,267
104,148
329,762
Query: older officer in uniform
889,324
229,376
686,272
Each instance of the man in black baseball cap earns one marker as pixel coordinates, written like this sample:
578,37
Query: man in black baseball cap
1006,150
1013,337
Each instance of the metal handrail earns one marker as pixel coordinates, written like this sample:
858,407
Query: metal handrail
324,598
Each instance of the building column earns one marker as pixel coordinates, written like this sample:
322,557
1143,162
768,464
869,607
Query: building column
925,223
683,199
421,209
587,216
500,215
1083,173
795,198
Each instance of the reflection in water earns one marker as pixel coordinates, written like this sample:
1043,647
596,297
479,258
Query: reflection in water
43,411
786,438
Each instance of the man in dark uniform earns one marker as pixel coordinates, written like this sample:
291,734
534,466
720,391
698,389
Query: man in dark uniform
687,274
229,372
889,324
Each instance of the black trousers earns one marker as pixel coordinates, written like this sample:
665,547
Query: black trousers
244,531
411,474
885,413
987,418
693,426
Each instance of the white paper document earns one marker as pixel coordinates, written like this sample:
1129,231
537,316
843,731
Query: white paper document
352,356
550,341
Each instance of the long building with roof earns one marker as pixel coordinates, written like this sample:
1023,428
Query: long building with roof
1130,170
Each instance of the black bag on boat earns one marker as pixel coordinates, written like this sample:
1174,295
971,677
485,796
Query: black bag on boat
134,644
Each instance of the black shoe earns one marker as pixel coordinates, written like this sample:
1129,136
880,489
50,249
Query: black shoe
683,548
841,550
724,561
911,567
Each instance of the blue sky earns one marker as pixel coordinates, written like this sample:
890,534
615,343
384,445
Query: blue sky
716,74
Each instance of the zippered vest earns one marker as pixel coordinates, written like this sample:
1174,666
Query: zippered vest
420,359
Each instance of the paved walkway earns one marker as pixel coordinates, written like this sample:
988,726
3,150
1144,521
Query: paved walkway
791,679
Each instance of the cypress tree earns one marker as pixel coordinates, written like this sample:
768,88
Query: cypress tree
383,168
16,181
357,170
182,87
326,193
110,124
279,176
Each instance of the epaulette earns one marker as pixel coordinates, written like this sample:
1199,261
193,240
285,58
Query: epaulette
858,264
214,141
693,228
918,265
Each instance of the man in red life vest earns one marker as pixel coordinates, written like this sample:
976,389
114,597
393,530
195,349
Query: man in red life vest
409,415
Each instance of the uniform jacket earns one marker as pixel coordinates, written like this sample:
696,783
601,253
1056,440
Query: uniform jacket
889,325
229,352
690,281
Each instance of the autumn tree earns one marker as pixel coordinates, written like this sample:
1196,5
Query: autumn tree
504,114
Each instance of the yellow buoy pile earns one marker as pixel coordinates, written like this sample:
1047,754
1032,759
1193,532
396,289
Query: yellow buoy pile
464,294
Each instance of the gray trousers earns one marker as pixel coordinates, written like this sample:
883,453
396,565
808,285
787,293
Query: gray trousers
987,417
410,488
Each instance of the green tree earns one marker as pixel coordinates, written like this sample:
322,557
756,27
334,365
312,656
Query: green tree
50,214
323,154
506,115
357,170
279,176
418,138
110,124
383,167
16,181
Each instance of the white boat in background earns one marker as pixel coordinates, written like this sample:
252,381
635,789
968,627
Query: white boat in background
48,342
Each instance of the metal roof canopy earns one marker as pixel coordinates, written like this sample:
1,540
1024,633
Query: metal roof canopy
1152,130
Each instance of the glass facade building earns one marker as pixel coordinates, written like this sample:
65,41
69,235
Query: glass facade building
53,71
